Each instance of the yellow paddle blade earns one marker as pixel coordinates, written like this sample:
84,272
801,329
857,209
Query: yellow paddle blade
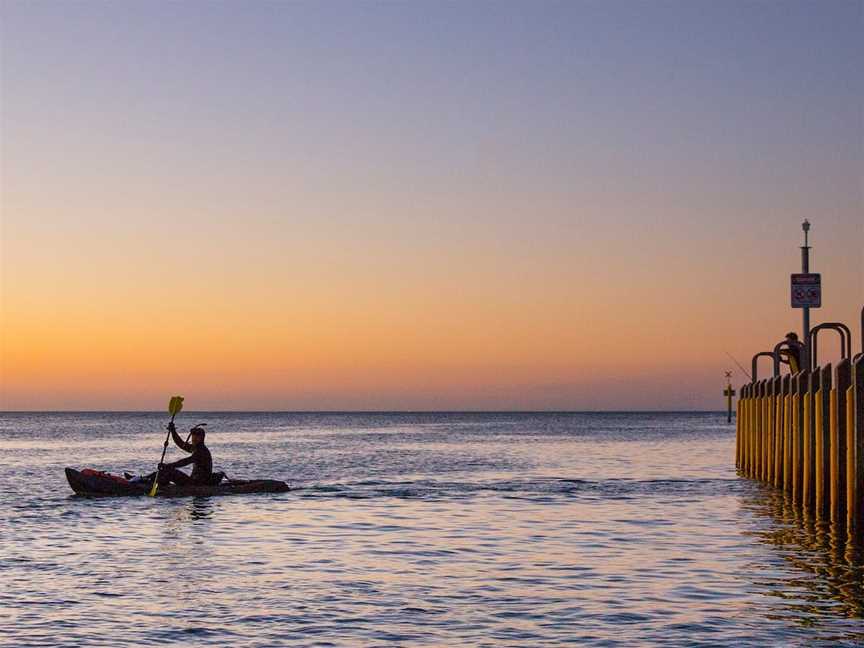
175,405
155,488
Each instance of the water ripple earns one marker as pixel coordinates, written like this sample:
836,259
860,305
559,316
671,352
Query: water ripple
417,529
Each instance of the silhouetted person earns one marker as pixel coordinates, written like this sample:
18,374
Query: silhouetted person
202,469
794,352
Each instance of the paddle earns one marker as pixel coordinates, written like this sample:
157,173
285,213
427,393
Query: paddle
174,407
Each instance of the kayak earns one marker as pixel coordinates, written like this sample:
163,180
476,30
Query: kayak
95,483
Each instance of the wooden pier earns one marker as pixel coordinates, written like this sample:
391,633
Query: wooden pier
804,433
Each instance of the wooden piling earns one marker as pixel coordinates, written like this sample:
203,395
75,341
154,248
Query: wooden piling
769,431
738,431
745,434
855,434
787,433
738,406
778,431
749,462
809,473
797,436
842,380
754,431
849,484
822,438
766,429
834,460
794,429
742,428
758,430
754,436
844,389
760,427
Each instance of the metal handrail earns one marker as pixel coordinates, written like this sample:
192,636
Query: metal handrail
845,340
754,365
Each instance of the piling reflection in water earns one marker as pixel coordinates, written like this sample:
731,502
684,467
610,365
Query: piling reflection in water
827,559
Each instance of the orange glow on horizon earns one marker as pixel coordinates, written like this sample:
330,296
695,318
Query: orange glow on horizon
568,222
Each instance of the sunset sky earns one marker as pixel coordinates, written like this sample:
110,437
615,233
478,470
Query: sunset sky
368,205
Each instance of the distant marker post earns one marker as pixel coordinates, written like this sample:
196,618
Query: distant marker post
728,393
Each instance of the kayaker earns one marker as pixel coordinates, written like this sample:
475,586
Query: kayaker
202,470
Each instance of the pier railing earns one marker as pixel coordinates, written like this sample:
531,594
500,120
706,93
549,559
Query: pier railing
804,433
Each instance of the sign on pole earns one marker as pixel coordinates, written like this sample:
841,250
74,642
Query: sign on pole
807,290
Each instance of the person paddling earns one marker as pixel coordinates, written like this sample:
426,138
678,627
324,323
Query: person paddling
202,470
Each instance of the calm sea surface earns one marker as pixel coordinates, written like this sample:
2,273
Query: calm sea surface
416,530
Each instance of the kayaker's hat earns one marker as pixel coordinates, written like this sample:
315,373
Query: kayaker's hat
791,335
198,430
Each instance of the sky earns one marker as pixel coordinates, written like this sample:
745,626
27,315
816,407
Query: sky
419,206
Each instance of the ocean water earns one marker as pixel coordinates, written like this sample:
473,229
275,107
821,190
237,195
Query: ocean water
416,530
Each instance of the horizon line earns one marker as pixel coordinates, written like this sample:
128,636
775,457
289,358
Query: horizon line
361,411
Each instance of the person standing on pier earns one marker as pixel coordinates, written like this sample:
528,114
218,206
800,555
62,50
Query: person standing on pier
794,352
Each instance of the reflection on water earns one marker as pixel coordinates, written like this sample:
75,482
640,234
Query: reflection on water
417,529
201,508
827,576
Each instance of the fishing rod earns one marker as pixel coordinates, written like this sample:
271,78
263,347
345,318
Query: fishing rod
743,370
